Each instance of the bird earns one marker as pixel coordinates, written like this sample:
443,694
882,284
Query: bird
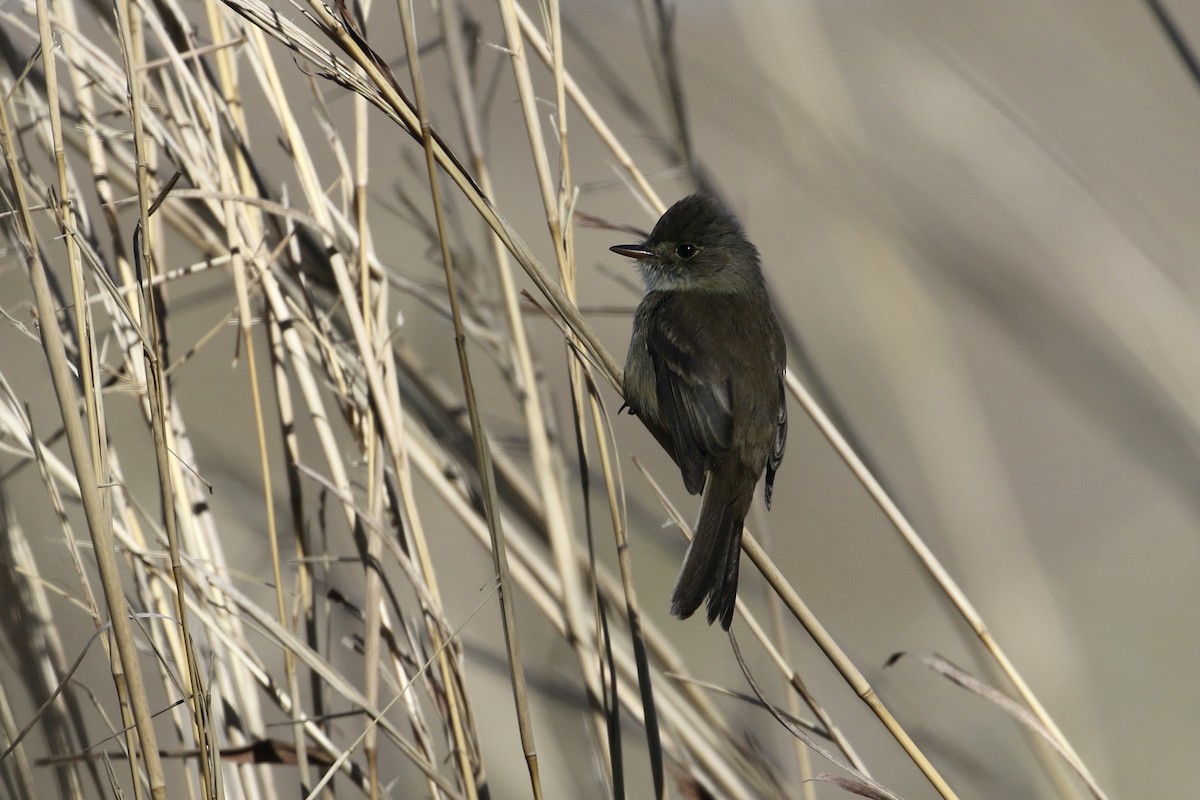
705,375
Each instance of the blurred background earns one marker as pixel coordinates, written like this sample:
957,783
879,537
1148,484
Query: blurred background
978,222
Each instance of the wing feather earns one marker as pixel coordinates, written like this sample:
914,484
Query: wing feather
694,394
775,458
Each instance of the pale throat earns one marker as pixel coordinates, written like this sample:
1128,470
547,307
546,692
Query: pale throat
726,281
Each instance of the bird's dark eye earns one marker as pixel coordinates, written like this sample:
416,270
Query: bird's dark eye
686,250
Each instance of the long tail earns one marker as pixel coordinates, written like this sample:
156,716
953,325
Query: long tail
710,568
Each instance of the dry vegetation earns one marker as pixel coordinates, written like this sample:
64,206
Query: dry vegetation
301,634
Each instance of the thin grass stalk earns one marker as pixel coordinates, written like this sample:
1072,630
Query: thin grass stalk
459,723
842,663
262,679
436,624
445,654
19,555
87,599
23,773
930,561
677,669
84,94
583,390
39,656
129,681
276,300
527,386
178,522
238,177
198,528
438,629
242,268
154,593
373,598
89,376
379,392
337,682
373,620
780,654
599,126
381,93
660,44
799,732
130,22
302,598
372,447
565,233
614,493
544,591
800,693
402,678
533,125
487,477
608,701
562,542
128,726
280,310
821,637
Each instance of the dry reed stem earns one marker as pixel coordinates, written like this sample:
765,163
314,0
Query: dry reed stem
482,450
927,558
128,679
561,533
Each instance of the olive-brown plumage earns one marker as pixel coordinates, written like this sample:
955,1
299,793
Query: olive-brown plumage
705,375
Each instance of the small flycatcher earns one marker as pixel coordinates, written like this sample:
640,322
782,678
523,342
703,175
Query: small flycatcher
705,375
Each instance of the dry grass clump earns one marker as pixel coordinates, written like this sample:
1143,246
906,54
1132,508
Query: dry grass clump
345,187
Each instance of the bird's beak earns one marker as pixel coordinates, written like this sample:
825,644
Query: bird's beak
632,250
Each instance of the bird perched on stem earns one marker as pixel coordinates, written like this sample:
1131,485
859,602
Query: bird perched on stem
705,375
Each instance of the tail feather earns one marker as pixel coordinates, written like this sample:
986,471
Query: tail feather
710,568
